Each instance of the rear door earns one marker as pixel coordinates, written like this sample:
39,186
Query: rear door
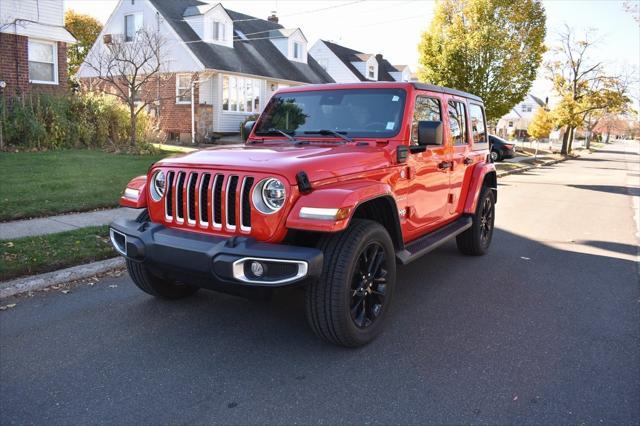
461,156
429,180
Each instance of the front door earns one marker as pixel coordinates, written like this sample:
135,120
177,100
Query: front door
429,175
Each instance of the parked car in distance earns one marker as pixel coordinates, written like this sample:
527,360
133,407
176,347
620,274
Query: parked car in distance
501,149
336,185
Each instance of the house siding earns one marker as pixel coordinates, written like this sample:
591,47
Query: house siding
14,67
335,67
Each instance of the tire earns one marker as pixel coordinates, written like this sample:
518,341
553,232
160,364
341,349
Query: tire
476,240
153,285
495,156
156,286
331,299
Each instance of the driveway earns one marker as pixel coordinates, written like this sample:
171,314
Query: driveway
543,330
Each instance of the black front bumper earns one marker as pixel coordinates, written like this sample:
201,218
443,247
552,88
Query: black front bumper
207,260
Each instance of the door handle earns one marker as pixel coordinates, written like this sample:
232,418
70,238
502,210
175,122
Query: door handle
468,160
444,165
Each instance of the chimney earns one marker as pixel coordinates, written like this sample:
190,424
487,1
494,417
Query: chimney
273,18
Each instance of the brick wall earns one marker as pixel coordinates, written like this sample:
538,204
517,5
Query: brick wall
173,117
14,67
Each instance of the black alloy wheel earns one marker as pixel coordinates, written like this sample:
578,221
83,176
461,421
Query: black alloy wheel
369,285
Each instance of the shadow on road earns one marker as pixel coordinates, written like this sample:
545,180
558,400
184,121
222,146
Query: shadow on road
466,337
612,189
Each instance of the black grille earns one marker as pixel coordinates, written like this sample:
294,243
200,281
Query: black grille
204,197
180,196
169,199
217,200
246,203
231,200
193,178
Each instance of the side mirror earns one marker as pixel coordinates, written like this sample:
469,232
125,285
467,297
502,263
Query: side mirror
246,130
429,133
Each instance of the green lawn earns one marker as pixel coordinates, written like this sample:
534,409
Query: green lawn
33,255
45,183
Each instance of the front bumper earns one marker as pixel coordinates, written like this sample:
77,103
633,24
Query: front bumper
209,259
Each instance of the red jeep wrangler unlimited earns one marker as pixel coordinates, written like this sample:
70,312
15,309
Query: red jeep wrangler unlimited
335,185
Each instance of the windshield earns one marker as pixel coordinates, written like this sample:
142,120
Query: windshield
375,113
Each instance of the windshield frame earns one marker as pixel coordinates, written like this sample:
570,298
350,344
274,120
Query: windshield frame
404,95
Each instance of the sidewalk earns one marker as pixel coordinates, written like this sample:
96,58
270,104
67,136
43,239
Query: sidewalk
61,223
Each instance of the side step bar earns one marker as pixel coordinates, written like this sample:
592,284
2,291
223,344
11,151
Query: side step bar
429,242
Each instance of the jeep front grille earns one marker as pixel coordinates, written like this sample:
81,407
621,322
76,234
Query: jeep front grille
209,200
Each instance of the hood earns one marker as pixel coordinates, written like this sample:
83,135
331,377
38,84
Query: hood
319,162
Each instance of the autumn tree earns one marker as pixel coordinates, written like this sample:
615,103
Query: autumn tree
491,48
541,124
85,29
582,85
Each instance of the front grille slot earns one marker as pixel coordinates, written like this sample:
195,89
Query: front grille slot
168,201
232,185
204,199
217,201
180,197
191,198
245,204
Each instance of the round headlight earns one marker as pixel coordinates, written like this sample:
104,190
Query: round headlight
269,195
158,185
273,194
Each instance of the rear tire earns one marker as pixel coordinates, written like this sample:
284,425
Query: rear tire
156,286
475,241
350,302
495,156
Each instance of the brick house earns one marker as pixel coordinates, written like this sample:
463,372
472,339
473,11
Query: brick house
33,47
236,62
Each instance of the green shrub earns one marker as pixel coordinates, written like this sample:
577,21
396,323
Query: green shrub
47,122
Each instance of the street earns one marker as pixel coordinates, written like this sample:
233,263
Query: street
545,329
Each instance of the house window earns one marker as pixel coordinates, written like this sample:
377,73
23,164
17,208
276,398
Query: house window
372,71
511,124
183,88
218,31
43,62
527,108
297,50
132,24
458,122
240,94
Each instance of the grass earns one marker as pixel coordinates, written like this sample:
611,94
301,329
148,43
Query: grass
46,183
33,255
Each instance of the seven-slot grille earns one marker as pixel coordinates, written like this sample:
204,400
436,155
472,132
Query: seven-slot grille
209,199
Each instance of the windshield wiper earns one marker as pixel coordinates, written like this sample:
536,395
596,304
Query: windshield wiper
274,130
329,132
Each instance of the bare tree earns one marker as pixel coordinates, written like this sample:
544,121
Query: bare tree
132,70
583,86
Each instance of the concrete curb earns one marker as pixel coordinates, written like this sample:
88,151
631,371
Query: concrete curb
38,282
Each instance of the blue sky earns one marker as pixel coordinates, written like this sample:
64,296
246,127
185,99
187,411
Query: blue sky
393,28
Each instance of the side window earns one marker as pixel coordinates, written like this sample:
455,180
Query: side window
478,125
458,122
426,109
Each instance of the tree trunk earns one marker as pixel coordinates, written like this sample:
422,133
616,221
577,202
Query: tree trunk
133,126
565,142
608,134
570,143
587,143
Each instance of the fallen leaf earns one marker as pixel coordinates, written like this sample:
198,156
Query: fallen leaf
65,291
113,286
8,244
515,398
9,306
525,258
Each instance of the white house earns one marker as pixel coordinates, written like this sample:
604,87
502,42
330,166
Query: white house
239,60
516,121
347,65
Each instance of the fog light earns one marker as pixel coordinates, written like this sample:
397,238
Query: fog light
257,269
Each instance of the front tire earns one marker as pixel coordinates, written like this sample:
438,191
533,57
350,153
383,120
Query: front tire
156,286
475,241
349,304
495,156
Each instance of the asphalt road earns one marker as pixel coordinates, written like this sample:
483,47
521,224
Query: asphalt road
543,330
